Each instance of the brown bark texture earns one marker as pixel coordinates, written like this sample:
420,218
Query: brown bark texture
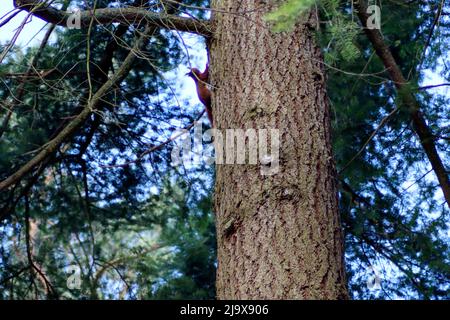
279,236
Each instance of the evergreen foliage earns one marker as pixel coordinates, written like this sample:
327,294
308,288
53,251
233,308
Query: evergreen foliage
146,231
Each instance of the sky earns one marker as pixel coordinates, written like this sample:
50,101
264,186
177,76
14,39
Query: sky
184,88
34,31
31,33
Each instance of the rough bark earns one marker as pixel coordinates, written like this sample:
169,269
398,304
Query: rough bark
279,236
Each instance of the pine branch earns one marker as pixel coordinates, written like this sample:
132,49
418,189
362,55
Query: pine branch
420,125
129,16
79,120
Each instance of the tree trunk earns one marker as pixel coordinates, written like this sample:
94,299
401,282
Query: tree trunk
279,236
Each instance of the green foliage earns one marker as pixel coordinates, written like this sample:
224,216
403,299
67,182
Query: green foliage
146,231
109,222
285,17
399,221
338,34
397,224
191,274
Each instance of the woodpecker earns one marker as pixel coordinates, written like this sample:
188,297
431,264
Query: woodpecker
204,94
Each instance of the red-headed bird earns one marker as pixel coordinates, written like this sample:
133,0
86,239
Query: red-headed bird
204,94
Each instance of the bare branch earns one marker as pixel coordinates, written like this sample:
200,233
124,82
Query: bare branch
29,73
157,147
434,86
420,125
30,232
78,121
374,133
130,15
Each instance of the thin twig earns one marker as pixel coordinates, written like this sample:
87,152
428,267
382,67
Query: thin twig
374,133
